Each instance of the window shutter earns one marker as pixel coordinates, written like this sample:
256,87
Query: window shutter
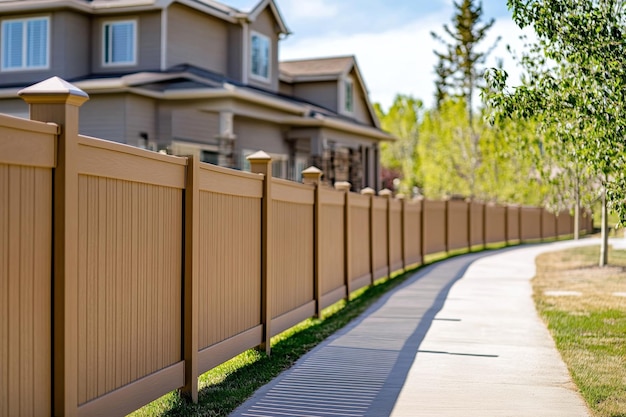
12,44
37,38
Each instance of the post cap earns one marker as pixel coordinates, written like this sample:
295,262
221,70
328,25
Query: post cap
343,186
385,192
54,90
259,156
311,175
368,191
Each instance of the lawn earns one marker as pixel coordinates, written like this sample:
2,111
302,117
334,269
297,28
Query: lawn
585,309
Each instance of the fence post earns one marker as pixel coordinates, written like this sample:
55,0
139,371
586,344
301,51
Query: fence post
261,163
55,100
370,192
190,281
344,186
386,193
313,176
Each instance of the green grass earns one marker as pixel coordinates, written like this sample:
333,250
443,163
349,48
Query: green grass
589,330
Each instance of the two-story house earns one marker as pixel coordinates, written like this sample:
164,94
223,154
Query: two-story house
194,77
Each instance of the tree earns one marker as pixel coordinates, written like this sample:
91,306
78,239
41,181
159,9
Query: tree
576,74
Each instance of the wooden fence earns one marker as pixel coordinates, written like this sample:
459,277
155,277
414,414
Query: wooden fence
157,268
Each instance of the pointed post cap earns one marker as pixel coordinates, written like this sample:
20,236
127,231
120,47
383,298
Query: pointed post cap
54,90
259,156
343,186
400,196
368,191
311,175
385,193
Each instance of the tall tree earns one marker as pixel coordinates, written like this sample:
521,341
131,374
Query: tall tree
576,82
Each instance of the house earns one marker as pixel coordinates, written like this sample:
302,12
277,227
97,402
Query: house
195,77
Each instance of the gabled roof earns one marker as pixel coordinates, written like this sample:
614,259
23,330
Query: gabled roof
256,11
325,69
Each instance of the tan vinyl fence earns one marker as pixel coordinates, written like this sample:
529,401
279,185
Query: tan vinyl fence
157,268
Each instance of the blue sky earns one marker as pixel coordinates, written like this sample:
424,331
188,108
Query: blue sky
390,39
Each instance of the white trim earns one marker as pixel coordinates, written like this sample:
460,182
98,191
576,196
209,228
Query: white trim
135,40
258,77
24,66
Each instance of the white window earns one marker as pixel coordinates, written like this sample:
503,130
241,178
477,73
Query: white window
120,43
348,101
260,56
25,43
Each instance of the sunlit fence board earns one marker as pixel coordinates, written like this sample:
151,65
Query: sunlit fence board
457,228
530,223
360,240
332,244
27,156
477,223
495,228
379,237
434,226
229,283
129,265
291,249
395,235
413,232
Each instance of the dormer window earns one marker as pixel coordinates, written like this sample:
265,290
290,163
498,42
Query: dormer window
260,56
25,43
348,96
120,43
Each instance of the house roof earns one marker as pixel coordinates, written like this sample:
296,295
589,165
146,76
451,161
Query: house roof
314,68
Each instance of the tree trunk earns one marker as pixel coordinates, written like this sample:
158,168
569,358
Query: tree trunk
604,246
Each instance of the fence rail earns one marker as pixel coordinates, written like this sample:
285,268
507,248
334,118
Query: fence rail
157,268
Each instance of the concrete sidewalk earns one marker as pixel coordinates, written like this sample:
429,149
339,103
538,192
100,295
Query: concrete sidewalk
459,338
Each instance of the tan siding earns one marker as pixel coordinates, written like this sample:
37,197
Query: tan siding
379,237
434,226
361,110
230,265
141,117
457,225
14,107
70,46
197,39
322,93
291,250
359,237
235,52
413,232
332,241
25,267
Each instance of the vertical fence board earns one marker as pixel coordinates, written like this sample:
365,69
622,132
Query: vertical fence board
495,227
513,223
332,245
395,235
413,232
434,226
359,240
457,227
530,222
477,227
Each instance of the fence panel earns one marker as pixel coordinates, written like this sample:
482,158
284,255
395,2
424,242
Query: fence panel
379,237
27,156
513,223
434,233
229,270
413,232
332,246
477,223
129,324
548,225
530,223
395,235
291,254
564,223
458,228
359,241
495,228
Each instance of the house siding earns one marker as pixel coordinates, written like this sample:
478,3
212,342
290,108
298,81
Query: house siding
104,116
68,49
265,24
197,39
148,43
15,107
361,111
322,93
141,113
258,135
235,52
195,126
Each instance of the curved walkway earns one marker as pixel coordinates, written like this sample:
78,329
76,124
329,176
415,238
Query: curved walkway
459,338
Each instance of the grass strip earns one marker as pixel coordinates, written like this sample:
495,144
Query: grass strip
587,320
